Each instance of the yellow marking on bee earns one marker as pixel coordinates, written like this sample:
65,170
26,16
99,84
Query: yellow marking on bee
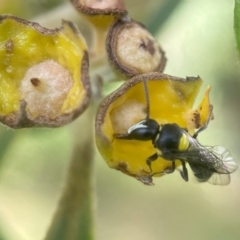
156,138
183,143
159,152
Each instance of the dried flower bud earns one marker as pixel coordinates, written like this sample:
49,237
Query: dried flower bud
44,74
100,13
171,100
132,50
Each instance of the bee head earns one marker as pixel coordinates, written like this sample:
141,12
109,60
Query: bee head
144,130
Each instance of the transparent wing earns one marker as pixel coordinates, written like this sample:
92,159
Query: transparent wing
211,164
219,179
225,158
228,164
217,159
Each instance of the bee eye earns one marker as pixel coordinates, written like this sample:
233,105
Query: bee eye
141,124
144,130
143,133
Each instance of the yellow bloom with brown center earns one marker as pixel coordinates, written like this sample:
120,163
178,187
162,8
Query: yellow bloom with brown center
43,73
171,100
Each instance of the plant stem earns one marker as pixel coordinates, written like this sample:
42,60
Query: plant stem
73,219
98,48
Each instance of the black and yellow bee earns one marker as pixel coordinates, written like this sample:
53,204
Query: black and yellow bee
209,164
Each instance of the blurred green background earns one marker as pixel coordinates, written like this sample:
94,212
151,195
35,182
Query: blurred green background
198,38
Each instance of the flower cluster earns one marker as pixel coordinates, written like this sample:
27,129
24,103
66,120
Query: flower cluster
45,83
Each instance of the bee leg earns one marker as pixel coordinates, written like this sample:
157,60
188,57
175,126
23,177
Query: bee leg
184,172
206,124
150,160
122,136
171,169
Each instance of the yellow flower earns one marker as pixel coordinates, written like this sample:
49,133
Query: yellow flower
171,101
43,73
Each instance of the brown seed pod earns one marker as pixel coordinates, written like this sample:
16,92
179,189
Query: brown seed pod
171,100
132,50
100,13
44,74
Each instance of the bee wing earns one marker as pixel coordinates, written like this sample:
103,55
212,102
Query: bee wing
211,164
219,179
228,163
217,158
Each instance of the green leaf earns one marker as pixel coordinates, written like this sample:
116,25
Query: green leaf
237,23
2,236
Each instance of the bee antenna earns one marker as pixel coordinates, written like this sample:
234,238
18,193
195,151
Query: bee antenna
146,96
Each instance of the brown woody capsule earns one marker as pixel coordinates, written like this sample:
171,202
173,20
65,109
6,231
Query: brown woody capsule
132,50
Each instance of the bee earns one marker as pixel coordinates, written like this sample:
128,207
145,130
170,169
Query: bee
172,143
